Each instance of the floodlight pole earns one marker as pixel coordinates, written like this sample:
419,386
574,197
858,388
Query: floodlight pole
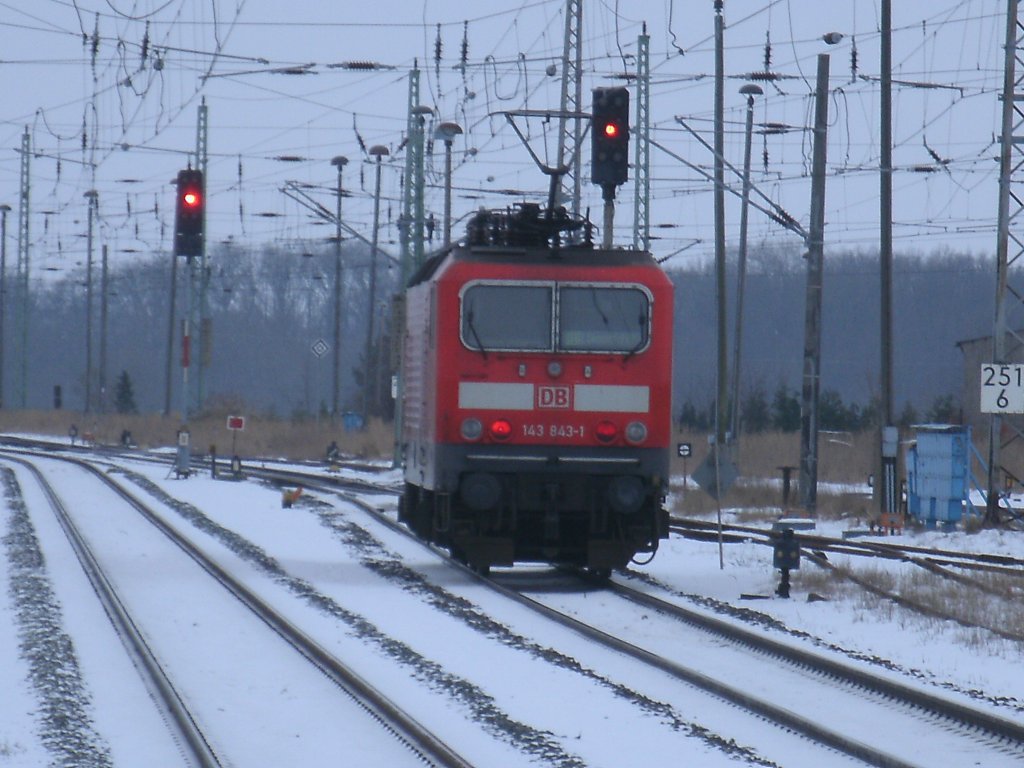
340,161
104,275
91,196
4,210
447,131
377,151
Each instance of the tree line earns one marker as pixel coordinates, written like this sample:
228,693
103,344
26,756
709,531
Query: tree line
269,306
781,412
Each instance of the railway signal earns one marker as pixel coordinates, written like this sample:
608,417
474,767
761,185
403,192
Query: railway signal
189,213
610,136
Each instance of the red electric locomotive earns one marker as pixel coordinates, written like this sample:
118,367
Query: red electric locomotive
537,396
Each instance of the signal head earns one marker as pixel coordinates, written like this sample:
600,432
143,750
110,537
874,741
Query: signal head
190,213
610,137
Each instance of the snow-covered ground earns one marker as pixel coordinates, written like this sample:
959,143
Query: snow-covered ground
933,653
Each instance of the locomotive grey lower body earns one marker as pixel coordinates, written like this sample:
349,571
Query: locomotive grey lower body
498,505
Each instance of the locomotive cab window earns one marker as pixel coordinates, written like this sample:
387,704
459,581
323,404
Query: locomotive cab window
507,316
568,317
593,318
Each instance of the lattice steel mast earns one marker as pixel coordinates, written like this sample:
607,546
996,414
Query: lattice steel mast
570,129
1011,176
642,145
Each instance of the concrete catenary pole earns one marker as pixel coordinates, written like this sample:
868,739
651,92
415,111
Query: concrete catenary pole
812,316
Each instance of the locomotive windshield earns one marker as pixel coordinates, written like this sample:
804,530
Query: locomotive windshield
587,317
507,316
601,319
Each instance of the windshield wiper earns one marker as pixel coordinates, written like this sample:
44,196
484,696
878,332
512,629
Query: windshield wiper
641,342
476,336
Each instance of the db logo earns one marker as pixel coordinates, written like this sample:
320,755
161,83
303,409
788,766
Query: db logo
552,397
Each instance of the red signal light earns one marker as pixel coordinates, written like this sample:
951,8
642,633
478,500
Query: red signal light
189,213
501,429
609,143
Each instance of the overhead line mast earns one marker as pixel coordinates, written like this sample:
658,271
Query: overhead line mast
23,263
642,147
1011,162
203,310
570,129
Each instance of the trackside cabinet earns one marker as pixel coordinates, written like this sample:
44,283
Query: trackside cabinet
938,474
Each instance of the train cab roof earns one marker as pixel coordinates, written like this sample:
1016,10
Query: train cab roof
527,235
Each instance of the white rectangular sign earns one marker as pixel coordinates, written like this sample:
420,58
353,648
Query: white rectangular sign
1002,388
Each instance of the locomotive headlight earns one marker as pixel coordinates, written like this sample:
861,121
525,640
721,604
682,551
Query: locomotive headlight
636,432
501,429
554,369
471,429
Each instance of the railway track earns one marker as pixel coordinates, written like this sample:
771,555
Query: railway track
982,735
993,576
788,667
423,745
1002,565
185,729
882,712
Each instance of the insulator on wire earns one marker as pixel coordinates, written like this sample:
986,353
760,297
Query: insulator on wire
438,47
145,45
767,51
355,128
853,61
95,48
437,60
464,54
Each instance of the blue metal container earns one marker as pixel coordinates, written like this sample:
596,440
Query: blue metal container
938,474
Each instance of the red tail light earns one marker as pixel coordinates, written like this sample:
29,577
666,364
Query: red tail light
501,429
606,431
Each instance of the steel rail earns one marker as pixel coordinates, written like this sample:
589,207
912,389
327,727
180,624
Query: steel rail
991,724
392,717
199,751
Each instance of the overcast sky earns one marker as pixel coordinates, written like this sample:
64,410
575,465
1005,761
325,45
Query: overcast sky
116,112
